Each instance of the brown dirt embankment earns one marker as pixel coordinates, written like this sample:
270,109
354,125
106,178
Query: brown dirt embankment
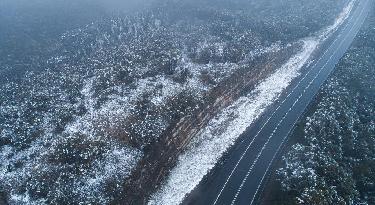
160,156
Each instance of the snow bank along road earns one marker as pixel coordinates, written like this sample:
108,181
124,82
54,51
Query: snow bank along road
239,178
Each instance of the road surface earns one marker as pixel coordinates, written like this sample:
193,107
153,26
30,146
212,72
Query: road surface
240,176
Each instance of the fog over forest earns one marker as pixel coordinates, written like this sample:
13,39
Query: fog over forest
100,100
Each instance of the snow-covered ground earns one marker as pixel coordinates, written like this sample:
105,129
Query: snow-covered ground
212,142
329,163
74,129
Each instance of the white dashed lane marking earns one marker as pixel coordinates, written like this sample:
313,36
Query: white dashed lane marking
272,115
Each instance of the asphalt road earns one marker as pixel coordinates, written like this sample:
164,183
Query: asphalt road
238,179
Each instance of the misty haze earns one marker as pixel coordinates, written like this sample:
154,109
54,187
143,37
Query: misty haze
166,102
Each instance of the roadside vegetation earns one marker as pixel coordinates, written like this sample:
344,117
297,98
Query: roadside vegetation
91,100
331,155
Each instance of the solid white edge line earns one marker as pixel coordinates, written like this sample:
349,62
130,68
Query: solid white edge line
217,198
273,158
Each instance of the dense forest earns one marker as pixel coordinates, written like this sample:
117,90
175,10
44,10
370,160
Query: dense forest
331,156
83,101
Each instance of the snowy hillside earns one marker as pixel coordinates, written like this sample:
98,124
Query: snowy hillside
82,122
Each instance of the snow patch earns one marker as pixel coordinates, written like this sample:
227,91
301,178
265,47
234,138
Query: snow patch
207,148
214,140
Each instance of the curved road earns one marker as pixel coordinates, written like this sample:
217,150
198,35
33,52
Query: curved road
239,178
